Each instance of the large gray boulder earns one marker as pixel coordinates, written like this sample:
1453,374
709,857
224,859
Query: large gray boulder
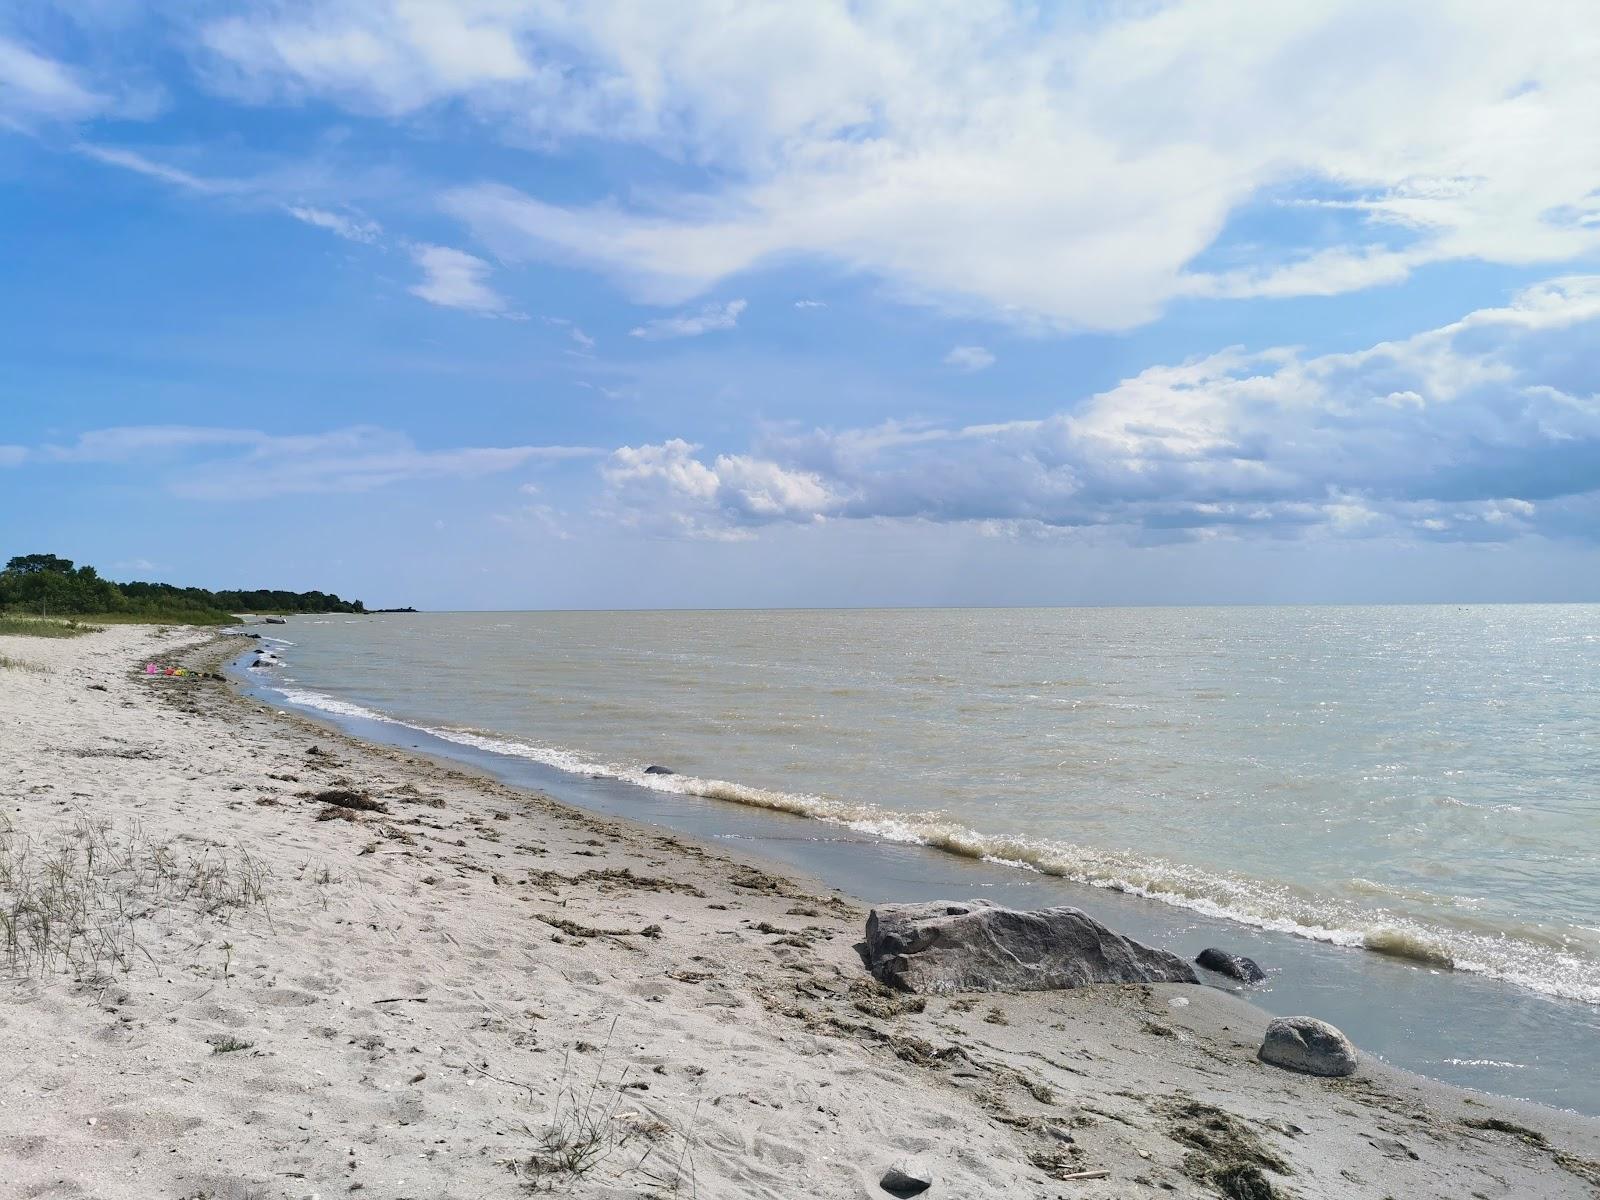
979,946
1309,1046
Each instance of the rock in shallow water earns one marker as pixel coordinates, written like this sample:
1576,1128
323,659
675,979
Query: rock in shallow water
979,946
1235,966
1309,1046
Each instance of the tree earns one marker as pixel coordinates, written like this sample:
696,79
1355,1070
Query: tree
29,564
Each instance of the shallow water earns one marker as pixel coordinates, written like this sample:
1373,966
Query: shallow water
1411,779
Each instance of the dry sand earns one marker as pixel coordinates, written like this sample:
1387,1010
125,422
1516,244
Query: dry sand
477,990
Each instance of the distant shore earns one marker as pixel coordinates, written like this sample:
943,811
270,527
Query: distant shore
351,967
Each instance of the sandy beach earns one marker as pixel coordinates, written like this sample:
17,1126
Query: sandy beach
289,964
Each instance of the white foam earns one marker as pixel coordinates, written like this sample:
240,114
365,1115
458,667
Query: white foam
1255,903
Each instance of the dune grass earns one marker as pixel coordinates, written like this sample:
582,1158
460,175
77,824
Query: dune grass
165,616
79,901
7,663
27,625
21,626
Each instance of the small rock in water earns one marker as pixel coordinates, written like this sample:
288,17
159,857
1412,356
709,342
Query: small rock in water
1235,966
897,1183
1307,1045
652,769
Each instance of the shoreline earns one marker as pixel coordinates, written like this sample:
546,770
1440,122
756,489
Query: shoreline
1409,858
1414,1013
423,1009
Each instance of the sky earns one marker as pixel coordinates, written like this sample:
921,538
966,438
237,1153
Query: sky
529,303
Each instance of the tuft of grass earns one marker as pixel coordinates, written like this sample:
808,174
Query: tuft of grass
228,1044
588,1127
79,901
16,664
20,626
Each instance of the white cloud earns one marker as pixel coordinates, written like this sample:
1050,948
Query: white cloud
135,443
666,489
1484,429
1034,163
969,358
707,320
245,464
258,192
35,87
351,228
390,58
810,304
455,279
140,164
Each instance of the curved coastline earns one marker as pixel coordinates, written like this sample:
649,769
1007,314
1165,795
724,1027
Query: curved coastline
400,998
1359,992
1524,961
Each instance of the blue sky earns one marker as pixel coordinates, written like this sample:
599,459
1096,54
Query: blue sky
522,304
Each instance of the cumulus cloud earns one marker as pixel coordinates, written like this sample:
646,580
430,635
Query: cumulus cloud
707,320
247,464
455,279
665,488
1484,429
1070,165
969,358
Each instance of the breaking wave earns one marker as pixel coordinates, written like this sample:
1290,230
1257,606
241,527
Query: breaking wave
1524,958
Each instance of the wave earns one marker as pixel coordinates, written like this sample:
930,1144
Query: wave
1535,962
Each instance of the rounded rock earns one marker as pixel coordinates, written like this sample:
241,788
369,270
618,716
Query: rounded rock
1235,966
1309,1046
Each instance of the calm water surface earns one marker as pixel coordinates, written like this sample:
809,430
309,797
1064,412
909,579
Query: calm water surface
1419,781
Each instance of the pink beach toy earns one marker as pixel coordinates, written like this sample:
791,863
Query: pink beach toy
149,668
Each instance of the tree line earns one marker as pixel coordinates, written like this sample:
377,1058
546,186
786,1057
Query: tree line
50,585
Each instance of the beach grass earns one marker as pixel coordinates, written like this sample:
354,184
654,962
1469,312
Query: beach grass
7,663
28,625
78,902
21,626
163,616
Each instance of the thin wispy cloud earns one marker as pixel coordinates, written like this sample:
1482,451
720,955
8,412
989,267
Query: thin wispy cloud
36,87
263,193
453,278
710,319
219,463
141,164
351,228
969,358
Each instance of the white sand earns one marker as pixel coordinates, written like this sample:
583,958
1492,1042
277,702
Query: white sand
737,1052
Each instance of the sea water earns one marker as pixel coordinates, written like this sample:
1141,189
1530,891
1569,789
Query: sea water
1415,782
